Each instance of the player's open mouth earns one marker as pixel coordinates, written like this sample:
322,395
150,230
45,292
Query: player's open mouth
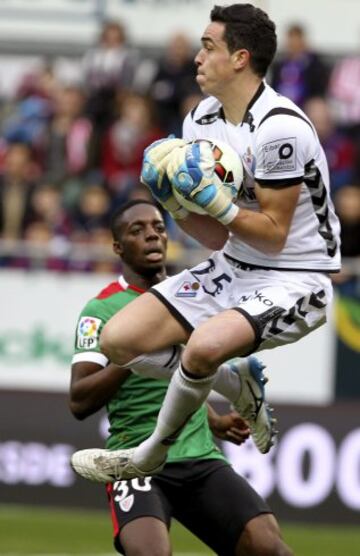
154,255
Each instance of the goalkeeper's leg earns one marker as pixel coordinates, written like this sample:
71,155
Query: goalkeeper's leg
216,340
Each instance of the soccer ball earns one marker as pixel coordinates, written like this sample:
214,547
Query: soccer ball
219,158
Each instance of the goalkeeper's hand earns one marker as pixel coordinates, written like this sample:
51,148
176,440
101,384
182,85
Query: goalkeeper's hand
191,172
153,175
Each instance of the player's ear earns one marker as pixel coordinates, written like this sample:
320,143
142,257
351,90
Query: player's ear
240,58
117,248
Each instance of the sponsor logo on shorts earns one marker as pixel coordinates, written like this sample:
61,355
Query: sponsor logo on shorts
88,332
188,289
280,155
257,296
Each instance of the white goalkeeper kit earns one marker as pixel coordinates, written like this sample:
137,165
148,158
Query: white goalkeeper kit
279,148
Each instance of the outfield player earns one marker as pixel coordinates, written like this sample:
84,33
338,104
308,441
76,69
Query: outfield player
197,486
267,284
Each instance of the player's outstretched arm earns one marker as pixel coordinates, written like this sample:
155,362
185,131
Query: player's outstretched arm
206,230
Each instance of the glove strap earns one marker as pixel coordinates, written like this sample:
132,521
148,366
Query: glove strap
229,215
174,208
180,214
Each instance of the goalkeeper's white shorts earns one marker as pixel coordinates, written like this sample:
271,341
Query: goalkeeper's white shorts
282,306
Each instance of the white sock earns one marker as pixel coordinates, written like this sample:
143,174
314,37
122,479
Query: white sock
162,364
183,397
227,382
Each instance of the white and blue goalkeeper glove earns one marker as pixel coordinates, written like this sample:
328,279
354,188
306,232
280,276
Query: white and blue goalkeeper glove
153,175
191,172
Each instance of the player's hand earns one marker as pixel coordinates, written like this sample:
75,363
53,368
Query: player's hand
153,174
230,427
191,172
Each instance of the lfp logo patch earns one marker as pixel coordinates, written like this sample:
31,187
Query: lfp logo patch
88,332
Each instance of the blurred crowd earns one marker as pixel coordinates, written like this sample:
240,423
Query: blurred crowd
72,142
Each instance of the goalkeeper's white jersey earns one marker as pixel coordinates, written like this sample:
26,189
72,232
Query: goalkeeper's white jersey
279,147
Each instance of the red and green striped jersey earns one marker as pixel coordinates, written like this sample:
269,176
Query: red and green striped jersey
134,409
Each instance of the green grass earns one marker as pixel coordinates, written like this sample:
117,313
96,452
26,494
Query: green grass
36,531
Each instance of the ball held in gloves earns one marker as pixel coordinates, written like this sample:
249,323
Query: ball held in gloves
223,163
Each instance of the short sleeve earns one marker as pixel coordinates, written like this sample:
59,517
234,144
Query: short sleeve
87,336
284,144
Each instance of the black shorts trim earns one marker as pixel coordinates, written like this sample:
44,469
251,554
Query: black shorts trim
254,326
174,312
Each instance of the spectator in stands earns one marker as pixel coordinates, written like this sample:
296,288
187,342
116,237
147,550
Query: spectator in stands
45,250
344,96
68,136
101,241
41,82
344,93
123,146
339,149
299,73
17,184
108,67
174,80
347,203
28,122
25,116
46,206
93,209
111,63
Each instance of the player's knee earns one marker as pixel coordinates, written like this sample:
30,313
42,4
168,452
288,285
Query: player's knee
270,547
148,551
261,537
144,545
201,356
266,545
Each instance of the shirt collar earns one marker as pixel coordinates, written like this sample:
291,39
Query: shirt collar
248,117
123,283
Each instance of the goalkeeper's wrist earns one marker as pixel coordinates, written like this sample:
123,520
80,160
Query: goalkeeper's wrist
174,208
229,215
179,214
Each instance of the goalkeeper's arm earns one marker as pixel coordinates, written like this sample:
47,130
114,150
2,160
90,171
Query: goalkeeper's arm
266,230
205,229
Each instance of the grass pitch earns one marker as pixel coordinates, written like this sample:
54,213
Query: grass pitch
38,531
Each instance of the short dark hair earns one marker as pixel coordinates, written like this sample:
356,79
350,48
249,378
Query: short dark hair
119,211
248,27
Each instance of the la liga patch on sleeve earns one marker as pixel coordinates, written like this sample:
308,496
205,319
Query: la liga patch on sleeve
88,332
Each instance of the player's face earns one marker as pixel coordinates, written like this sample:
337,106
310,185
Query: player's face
142,239
215,64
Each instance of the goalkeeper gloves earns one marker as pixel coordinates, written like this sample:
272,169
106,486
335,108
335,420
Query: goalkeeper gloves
191,172
153,175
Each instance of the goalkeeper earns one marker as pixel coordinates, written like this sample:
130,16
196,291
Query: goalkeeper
267,283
